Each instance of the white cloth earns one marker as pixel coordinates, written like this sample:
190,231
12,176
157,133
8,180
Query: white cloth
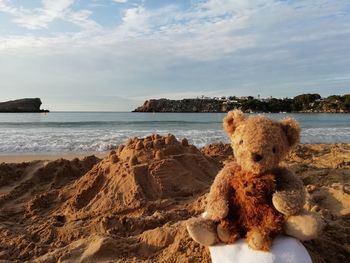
284,250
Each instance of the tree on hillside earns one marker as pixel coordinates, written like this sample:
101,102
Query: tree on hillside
334,98
303,101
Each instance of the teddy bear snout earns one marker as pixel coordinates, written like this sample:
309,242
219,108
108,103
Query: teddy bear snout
256,157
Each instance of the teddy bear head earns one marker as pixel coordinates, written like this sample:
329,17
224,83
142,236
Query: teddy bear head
259,143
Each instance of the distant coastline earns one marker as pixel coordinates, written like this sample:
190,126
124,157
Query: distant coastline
29,105
302,103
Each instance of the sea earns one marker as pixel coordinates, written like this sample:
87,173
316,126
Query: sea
80,132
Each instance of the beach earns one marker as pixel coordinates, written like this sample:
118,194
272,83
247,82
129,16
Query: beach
131,204
20,158
116,117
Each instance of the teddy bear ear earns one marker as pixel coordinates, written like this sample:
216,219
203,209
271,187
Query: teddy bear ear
292,130
232,120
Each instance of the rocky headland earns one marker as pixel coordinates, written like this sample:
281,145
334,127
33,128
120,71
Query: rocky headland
22,105
300,103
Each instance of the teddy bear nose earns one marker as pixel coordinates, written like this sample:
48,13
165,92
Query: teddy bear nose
256,157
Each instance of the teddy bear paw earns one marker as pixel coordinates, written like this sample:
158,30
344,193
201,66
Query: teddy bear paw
202,230
287,203
304,226
258,241
226,233
218,210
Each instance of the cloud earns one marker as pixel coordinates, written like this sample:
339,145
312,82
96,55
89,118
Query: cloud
207,31
120,1
41,17
136,19
238,47
4,7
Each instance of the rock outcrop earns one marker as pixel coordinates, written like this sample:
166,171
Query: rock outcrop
185,105
300,103
22,105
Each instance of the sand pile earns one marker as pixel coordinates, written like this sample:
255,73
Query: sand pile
141,174
220,152
325,171
132,205
30,201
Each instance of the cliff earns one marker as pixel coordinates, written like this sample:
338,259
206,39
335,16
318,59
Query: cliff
22,105
300,103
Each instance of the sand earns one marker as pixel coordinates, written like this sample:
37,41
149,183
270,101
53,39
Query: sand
20,158
131,205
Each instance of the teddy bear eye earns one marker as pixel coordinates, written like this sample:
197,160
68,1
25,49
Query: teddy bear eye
241,142
274,149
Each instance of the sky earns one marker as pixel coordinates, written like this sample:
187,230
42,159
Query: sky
111,55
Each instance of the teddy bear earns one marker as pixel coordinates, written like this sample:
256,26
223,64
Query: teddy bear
253,197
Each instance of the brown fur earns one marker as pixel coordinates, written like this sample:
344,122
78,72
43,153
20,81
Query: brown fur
251,208
253,196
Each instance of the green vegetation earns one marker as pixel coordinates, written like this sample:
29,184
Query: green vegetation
300,103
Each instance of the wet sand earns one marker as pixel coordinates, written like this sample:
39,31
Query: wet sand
19,158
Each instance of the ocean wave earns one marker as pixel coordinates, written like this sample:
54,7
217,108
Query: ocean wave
50,140
326,135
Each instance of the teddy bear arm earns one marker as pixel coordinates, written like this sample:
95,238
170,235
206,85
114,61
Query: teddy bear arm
289,197
217,200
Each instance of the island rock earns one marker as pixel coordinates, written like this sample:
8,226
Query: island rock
22,105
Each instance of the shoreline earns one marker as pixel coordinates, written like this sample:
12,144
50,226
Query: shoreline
29,157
